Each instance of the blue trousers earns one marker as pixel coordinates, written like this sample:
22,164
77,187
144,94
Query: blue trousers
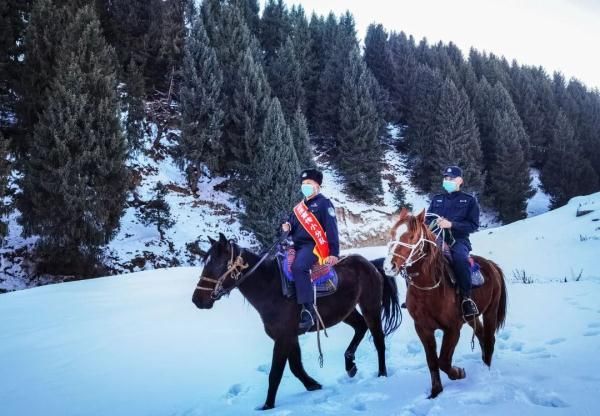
305,259
461,266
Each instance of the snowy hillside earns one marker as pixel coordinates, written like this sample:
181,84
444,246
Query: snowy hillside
137,247
136,345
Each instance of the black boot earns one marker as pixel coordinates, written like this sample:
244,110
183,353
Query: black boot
307,318
469,309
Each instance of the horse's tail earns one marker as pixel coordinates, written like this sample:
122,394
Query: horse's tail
501,317
391,314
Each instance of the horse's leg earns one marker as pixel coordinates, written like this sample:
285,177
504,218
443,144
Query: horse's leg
280,355
356,321
449,342
477,326
372,316
295,360
489,334
428,340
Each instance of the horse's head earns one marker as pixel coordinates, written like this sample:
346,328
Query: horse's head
223,266
409,236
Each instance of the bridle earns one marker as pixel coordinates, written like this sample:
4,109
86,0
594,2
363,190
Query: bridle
235,268
416,249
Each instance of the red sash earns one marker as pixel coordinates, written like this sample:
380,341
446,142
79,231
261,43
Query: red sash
312,226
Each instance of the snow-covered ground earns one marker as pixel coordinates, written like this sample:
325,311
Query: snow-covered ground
136,345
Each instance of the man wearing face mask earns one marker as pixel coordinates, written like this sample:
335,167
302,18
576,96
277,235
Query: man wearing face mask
313,229
459,213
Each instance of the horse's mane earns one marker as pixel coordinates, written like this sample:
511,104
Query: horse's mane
435,260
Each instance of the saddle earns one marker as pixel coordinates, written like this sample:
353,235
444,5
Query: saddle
477,278
323,277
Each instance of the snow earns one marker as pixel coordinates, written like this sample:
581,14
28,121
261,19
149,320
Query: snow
557,245
540,201
136,345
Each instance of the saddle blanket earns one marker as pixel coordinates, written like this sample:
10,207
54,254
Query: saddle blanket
323,277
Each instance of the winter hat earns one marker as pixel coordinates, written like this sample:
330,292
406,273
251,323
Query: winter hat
313,174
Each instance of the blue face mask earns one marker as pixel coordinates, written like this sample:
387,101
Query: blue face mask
449,186
307,190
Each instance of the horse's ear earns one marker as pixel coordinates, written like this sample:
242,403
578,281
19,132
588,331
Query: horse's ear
222,239
403,214
421,217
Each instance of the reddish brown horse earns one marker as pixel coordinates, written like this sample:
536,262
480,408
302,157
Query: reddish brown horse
433,302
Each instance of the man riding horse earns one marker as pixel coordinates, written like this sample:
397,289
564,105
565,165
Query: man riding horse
313,229
458,214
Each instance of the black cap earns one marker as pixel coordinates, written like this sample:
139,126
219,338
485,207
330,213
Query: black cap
313,174
452,171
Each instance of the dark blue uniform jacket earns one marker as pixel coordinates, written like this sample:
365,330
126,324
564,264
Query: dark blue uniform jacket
323,210
459,208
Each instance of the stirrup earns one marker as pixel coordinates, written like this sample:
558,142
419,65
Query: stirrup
475,313
302,328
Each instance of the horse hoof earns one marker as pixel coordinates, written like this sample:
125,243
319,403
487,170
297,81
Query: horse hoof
461,373
382,374
266,407
313,387
352,372
435,392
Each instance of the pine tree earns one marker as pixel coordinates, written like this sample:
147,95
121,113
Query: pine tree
4,174
403,68
172,38
201,107
303,49
134,102
127,24
314,68
378,56
74,183
274,28
487,101
509,181
249,10
246,114
339,47
301,140
157,211
566,172
245,91
42,39
274,189
358,149
424,97
285,79
13,18
455,139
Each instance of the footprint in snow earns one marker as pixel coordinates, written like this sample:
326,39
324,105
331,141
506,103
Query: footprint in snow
555,341
359,403
591,333
263,368
235,391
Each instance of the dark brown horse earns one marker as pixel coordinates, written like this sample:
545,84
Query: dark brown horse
228,266
433,302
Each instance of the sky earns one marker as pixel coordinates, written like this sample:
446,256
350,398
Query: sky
560,35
